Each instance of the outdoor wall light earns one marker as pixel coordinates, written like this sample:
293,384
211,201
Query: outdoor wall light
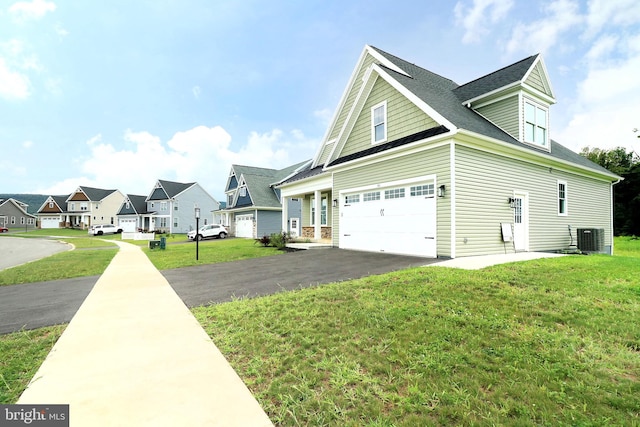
512,202
335,203
442,191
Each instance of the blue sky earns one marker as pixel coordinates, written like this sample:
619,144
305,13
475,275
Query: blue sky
121,93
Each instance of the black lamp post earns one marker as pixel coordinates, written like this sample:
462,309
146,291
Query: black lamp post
197,231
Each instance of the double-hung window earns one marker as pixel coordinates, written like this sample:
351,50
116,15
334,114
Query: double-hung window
535,124
562,198
323,211
379,123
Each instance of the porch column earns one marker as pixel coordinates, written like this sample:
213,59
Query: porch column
317,227
285,214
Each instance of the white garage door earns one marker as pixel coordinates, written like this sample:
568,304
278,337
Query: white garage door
50,222
398,219
128,225
244,226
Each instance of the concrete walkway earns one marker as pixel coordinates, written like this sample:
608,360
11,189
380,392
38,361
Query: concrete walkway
482,261
134,355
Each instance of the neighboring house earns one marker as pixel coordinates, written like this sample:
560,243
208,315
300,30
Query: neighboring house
89,206
53,212
254,208
171,207
133,215
413,163
13,214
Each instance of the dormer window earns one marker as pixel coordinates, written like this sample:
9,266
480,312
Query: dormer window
379,123
535,124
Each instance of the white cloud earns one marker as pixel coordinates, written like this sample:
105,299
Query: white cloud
15,65
604,14
36,9
13,84
27,144
606,108
538,36
60,31
479,17
196,91
202,154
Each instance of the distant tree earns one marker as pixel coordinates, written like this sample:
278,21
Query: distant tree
626,194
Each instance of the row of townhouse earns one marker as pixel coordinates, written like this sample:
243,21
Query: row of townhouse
169,208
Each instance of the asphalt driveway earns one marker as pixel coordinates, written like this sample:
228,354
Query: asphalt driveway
215,283
35,305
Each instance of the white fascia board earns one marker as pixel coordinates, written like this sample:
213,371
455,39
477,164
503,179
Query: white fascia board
531,91
385,61
340,106
305,186
513,151
426,108
491,93
275,184
356,108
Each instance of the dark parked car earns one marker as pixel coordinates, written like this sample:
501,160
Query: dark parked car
4,230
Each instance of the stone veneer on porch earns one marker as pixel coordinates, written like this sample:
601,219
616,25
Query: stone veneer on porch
308,232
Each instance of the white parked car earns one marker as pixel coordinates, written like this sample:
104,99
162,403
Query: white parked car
99,230
211,230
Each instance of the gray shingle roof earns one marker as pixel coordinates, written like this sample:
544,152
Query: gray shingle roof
441,94
169,189
501,78
95,194
259,182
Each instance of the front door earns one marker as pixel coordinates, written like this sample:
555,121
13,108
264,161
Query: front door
520,223
294,228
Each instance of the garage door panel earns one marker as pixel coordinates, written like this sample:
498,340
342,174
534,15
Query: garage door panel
403,225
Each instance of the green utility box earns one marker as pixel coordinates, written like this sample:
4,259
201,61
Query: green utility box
163,243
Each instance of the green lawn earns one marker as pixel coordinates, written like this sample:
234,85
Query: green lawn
183,254
90,257
547,342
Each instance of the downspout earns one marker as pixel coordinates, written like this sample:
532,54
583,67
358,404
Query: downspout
611,215
452,160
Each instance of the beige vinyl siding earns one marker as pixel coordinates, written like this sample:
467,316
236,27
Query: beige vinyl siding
504,113
433,161
484,183
535,79
403,118
326,151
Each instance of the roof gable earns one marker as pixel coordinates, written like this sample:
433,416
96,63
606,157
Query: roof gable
165,190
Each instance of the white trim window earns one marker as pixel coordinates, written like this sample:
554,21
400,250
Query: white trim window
536,124
323,211
379,123
563,206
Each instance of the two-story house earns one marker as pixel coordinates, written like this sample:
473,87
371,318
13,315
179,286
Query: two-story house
253,206
171,207
89,206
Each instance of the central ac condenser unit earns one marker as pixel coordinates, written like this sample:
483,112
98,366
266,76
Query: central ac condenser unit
591,239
